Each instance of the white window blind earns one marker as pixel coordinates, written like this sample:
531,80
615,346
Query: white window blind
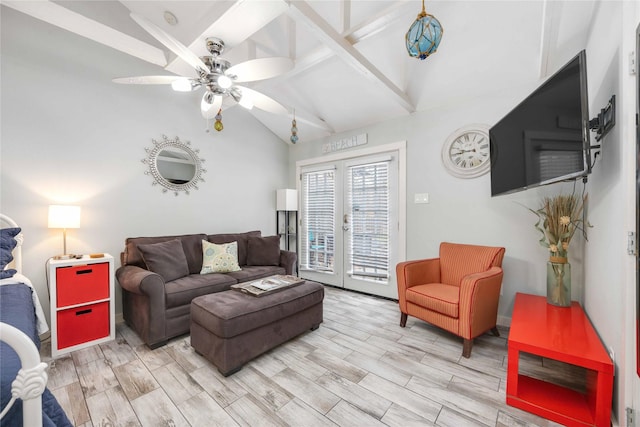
368,237
319,206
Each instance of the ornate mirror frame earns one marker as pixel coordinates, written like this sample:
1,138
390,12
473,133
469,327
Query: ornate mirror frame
152,163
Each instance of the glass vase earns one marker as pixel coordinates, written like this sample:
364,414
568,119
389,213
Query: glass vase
559,283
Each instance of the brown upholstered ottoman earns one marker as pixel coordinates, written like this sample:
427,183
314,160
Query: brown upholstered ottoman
230,328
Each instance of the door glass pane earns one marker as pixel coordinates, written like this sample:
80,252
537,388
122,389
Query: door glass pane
318,198
368,221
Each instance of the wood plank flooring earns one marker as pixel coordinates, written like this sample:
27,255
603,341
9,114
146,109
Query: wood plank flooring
360,368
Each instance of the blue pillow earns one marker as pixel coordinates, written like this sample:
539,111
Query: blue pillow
7,244
5,274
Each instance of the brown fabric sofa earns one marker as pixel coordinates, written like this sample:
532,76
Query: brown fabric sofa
157,290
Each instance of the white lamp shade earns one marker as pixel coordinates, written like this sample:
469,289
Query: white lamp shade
287,200
64,216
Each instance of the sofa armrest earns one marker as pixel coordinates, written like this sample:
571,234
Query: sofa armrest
417,272
144,303
479,298
288,261
138,280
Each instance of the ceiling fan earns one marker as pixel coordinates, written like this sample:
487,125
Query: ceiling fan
216,75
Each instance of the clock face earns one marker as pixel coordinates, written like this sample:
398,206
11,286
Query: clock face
466,152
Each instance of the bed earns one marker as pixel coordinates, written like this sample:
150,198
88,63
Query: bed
24,398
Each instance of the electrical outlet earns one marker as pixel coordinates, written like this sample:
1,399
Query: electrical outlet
631,420
612,354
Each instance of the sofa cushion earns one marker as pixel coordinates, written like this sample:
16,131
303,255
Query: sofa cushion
249,273
240,238
263,250
181,291
191,244
219,258
165,258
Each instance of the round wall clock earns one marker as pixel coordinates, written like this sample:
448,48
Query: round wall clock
465,154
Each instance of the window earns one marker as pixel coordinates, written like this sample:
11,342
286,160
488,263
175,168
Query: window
319,205
368,237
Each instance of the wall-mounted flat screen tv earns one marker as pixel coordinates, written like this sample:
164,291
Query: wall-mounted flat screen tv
545,139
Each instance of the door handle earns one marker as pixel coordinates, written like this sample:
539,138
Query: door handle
345,222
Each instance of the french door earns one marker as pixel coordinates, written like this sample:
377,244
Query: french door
350,222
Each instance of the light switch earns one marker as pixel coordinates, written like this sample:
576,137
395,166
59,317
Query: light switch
421,198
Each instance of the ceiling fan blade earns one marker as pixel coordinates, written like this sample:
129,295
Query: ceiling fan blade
262,101
178,48
261,68
209,111
147,80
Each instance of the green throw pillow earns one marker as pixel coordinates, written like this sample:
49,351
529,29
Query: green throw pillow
219,258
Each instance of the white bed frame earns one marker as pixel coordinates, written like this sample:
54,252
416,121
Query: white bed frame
32,377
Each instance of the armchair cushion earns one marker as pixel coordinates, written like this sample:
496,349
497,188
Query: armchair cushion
458,261
436,297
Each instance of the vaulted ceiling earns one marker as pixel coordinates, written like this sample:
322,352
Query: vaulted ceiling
351,66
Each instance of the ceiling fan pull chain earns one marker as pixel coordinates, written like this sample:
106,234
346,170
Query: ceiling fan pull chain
218,124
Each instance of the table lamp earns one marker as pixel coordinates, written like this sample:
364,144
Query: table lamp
64,217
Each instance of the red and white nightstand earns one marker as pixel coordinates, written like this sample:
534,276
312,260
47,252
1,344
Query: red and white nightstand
82,304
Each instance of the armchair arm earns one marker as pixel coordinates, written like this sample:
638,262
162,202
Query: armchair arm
417,272
479,297
288,261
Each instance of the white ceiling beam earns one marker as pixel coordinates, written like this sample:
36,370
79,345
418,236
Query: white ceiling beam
69,20
234,26
380,22
551,11
303,12
345,15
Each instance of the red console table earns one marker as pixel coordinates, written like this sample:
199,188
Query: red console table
564,334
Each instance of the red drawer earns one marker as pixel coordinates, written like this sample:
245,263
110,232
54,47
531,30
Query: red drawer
82,283
82,324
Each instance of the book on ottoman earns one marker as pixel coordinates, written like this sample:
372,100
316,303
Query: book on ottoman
267,285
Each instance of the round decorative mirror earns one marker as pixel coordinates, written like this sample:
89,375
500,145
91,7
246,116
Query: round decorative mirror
174,165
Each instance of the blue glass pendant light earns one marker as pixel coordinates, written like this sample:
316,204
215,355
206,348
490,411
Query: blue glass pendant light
424,35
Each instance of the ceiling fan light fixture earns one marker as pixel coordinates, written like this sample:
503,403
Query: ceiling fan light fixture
236,94
224,82
424,35
182,84
208,97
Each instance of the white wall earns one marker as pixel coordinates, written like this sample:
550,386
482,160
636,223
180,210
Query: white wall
70,135
609,269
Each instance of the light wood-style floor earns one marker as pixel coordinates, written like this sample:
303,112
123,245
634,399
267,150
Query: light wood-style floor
360,368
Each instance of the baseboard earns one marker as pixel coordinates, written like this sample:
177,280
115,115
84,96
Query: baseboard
504,321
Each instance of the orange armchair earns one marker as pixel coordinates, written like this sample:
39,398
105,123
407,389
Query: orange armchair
458,292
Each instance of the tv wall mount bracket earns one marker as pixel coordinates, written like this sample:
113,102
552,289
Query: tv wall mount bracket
605,120
602,124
